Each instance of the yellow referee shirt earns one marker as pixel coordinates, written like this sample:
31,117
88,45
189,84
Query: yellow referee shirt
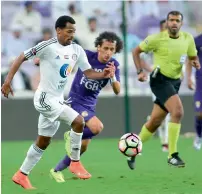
170,54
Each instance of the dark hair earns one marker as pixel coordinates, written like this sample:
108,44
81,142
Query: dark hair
162,22
111,37
62,21
174,13
91,19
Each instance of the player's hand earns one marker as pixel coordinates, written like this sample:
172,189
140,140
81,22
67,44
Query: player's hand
6,89
190,84
110,70
36,61
142,77
196,64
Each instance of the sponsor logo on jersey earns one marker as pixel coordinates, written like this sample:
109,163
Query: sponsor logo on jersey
66,56
65,70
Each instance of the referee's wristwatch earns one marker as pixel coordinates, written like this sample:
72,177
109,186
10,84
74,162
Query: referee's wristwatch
139,71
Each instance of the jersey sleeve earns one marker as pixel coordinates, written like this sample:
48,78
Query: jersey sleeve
149,44
117,72
192,47
36,51
198,42
82,61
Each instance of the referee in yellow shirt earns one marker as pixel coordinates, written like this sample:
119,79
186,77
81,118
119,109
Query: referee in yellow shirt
170,49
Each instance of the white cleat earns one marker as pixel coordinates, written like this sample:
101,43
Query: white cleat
197,143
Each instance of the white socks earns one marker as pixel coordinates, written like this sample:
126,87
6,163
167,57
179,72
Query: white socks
34,154
75,144
163,130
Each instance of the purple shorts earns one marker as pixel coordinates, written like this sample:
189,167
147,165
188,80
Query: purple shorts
86,112
198,95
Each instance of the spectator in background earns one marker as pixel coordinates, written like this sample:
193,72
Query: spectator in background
20,81
28,18
13,43
46,35
87,38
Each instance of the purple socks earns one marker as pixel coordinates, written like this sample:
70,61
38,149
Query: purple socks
198,126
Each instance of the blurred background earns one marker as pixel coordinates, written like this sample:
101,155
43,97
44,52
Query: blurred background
25,23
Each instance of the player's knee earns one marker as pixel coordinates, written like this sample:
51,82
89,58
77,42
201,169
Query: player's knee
78,124
43,142
199,116
177,114
97,128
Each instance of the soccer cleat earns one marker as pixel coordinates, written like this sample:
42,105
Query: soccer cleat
165,147
78,169
176,161
67,143
197,143
58,176
131,162
22,180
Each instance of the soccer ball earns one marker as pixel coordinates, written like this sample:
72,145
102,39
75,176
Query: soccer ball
130,144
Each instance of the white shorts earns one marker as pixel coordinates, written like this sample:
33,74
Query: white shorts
52,111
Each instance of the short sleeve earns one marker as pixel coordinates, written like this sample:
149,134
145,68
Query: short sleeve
192,47
36,51
117,72
82,61
149,44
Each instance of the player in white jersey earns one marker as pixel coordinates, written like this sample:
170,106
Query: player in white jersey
57,58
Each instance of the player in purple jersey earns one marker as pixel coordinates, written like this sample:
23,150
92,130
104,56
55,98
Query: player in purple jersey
198,94
84,92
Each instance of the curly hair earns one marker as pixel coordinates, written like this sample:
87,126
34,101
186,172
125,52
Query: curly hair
111,37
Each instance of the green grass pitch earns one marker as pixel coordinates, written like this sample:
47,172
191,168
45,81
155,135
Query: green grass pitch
110,174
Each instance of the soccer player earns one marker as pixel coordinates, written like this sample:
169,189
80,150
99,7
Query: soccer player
198,94
57,57
170,49
84,92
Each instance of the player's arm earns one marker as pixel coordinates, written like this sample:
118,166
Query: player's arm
6,87
192,54
28,54
115,80
145,46
89,72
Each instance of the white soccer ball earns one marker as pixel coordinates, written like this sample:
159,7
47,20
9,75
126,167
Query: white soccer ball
130,144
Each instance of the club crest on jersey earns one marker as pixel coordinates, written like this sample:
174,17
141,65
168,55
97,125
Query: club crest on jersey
84,114
198,104
65,70
74,57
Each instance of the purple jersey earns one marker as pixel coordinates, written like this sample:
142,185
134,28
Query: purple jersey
85,91
198,42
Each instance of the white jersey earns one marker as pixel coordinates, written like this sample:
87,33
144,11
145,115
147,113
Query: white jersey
56,64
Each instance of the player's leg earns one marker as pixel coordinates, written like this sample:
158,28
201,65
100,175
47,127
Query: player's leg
46,130
198,127
56,173
73,140
198,116
175,108
93,127
157,116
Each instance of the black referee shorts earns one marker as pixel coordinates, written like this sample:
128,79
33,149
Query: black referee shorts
163,88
